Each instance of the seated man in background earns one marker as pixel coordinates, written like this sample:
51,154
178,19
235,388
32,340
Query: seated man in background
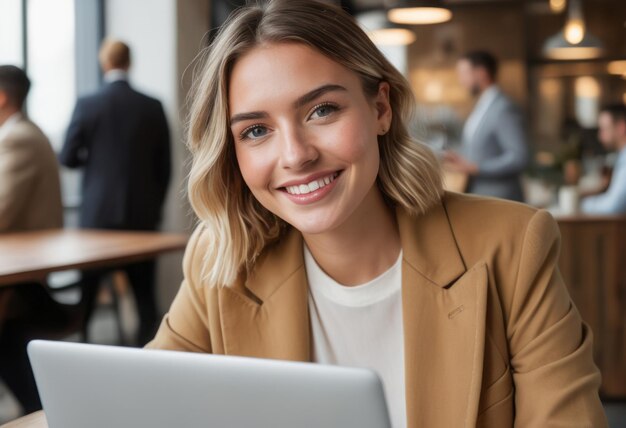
612,135
30,199
30,193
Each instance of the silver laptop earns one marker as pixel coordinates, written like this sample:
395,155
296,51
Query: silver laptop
99,386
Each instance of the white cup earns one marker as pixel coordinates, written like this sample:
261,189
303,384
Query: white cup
569,200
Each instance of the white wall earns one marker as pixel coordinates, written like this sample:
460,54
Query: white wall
150,29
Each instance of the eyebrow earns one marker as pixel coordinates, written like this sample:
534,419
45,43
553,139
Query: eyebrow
301,101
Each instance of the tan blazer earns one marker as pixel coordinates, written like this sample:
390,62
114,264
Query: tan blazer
30,193
491,336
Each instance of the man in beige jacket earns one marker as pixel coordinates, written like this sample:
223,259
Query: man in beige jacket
30,199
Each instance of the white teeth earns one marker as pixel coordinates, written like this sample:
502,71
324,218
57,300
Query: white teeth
314,185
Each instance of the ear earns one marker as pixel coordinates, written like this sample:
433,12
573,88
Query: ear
383,108
4,99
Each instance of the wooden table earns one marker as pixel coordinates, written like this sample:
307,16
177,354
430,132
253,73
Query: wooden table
30,256
34,420
593,265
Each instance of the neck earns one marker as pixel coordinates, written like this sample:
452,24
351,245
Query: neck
363,247
621,144
485,87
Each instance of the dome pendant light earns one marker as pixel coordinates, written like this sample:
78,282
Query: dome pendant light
384,33
574,31
558,6
418,12
573,42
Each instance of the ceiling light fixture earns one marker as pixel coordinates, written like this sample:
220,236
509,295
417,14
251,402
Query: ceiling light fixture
575,27
573,42
617,67
418,12
392,36
384,33
558,6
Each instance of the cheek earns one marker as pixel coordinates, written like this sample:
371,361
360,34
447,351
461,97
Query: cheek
255,165
353,141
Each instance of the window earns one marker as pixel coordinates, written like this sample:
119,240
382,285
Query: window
11,33
56,42
51,65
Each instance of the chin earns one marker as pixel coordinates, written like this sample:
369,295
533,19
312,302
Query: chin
313,224
311,228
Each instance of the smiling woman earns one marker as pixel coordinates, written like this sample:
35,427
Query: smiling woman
223,124
325,236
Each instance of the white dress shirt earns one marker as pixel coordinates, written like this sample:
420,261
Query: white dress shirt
480,109
115,75
613,201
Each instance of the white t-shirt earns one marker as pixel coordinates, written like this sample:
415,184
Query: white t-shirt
361,326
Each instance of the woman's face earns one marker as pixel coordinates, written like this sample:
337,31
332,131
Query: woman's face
306,135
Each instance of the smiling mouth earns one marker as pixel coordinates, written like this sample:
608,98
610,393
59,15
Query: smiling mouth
314,185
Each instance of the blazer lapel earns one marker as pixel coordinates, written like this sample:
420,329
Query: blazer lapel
444,308
266,314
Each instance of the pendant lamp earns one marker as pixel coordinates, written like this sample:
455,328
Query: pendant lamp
418,12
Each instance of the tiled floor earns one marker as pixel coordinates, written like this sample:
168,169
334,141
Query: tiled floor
103,330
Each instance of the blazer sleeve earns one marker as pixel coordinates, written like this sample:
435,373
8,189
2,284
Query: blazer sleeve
513,158
556,380
186,326
18,173
74,152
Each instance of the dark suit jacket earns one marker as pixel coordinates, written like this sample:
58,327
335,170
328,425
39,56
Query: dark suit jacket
121,138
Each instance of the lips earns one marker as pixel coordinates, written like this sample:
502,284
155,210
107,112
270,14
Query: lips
312,186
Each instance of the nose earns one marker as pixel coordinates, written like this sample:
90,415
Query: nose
296,151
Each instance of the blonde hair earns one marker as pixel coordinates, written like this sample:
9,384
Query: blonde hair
240,227
114,54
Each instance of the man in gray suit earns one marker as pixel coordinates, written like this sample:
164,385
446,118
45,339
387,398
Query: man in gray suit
493,150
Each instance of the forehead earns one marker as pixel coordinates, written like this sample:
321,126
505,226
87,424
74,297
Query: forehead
283,71
464,63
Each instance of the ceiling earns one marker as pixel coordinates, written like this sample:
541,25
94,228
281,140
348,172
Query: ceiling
363,5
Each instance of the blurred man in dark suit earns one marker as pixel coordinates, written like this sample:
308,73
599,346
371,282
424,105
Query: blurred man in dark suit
30,199
121,138
494,152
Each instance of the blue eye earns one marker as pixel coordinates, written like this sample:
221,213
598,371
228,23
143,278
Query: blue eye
254,132
323,110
